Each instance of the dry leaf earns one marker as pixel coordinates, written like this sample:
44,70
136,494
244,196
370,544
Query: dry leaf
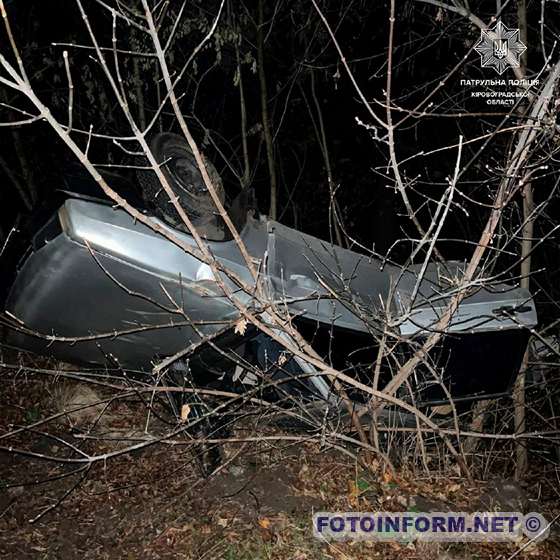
353,493
401,500
185,411
264,522
240,326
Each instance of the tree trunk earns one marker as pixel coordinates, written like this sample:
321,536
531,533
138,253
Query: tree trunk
23,182
322,138
526,247
243,114
139,94
265,118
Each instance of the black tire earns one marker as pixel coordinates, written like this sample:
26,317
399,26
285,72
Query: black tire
179,166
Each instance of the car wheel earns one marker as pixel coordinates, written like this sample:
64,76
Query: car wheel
179,167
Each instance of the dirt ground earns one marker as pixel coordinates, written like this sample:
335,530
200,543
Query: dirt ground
155,504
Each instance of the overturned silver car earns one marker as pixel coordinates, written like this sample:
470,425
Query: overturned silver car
96,287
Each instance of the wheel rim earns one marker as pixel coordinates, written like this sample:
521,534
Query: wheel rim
186,175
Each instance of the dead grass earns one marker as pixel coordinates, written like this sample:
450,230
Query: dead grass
155,504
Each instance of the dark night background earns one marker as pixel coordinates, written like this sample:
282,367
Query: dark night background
303,71
102,462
